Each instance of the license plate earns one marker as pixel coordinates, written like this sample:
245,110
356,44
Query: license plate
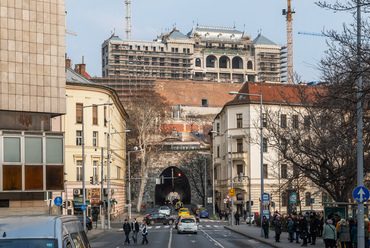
188,229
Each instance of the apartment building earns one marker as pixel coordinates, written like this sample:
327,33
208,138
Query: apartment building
32,92
205,54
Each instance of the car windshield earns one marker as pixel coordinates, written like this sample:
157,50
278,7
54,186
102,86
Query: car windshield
187,220
29,243
202,210
163,208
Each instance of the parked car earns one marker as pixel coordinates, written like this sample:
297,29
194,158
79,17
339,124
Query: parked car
153,218
187,224
88,221
202,213
42,231
164,210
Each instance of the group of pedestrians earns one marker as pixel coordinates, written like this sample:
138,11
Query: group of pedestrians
134,227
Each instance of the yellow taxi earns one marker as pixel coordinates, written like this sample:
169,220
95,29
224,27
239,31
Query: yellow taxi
184,212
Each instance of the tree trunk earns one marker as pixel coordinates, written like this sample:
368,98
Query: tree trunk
141,194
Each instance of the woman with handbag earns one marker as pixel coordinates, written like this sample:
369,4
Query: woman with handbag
329,234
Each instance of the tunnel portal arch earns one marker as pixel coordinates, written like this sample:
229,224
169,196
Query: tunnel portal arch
182,187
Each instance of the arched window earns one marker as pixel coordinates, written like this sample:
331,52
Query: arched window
198,63
211,61
237,63
308,199
224,62
249,65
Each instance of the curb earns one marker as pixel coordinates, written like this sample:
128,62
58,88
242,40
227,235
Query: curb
251,237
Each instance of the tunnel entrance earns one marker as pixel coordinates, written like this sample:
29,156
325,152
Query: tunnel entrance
172,187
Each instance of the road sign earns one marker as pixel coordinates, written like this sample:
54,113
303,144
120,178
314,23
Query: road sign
58,201
266,212
83,207
228,196
232,192
361,194
209,200
265,199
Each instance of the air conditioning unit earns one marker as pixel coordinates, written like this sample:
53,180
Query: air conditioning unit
76,192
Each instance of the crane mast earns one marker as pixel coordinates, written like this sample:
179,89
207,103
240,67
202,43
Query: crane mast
289,26
128,25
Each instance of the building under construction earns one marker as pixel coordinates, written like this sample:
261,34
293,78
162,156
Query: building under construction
204,54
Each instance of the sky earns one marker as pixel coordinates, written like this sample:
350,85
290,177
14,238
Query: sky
94,21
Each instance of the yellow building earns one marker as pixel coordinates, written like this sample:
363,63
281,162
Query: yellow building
108,116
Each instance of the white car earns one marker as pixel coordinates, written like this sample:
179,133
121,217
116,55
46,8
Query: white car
187,224
164,210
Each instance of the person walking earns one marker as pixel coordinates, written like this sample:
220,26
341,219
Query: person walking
329,234
354,234
237,218
127,230
314,228
144,233
290,227
297,228
135,230
344,234
278,226
265,226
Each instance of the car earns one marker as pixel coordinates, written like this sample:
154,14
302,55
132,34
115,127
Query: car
88,221
153,218
42,231
177,221
178,205
179,217
187,224
202,213
164,210
194,207
249,219
184,211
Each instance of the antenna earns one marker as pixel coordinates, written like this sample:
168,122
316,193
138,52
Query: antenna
128,25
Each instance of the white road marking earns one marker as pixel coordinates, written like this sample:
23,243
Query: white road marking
253,241
208,226
157,227
150,227
170,239
213,240
167,227
215,226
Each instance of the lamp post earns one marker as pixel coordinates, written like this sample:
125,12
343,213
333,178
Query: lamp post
261,127
108,172
129,181
83,158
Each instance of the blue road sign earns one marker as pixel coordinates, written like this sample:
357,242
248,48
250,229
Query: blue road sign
58,201
361,194
83,207
265,199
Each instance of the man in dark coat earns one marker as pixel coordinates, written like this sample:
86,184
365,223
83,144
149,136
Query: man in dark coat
278,225
297,228
127,230
135,230
237,217
314,228
303,224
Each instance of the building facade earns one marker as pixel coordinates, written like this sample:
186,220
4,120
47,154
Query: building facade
237,136
32,91
205,54
98,121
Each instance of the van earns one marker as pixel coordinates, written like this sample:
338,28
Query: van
42,231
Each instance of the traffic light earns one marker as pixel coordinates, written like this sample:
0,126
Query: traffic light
64,204
227,204
179,176
92,180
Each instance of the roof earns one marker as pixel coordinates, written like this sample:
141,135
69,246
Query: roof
177,35
262,40
218,30
115,37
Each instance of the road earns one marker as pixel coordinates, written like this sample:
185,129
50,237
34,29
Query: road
211,233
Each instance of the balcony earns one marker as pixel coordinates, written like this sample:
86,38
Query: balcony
239,155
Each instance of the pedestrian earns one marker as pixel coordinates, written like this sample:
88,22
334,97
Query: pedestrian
237,217
366,225
304,229
226,214
354,234
344,234
144,232
297,228
329,234
135,230
314,228
278,226
290,227
221,214
265,226
127,230
244,214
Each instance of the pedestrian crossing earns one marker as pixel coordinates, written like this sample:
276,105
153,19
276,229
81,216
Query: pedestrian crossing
173,226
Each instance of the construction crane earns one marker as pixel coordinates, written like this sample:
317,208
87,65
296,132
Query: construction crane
128,25
289,30
354,37
71,32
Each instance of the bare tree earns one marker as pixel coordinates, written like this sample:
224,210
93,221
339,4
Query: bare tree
147,113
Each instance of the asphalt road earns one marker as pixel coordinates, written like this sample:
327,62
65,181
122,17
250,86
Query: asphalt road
210,234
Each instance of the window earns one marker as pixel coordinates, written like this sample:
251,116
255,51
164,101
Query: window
284,171
78,138
239,145
12,149
105,116
198,63
264,145
283,121
95,138
95,170
284,144
324,197
295,171
184,50
204,103
264,120
188,50
265,171
307,122
154,49
218,127
172,49
239,169
308,199
218,151
295,121
95,115
79,170
79,107
284,199
239,120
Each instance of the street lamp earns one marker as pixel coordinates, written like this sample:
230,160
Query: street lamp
261,127
83,158
108,172
129,181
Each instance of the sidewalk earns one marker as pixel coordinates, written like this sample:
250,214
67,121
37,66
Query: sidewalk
254,232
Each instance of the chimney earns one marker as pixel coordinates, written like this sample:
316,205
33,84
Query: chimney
81,68
68,63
